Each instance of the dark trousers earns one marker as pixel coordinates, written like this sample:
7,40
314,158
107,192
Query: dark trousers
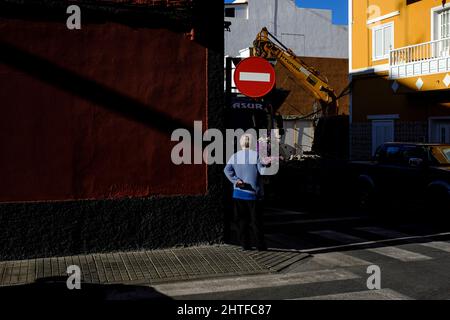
248,215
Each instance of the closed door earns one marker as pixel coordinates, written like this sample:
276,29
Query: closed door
443,133
382,131
440,131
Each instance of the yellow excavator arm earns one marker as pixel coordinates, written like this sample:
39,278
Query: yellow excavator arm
310,78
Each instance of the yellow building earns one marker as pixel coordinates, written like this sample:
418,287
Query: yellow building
400,72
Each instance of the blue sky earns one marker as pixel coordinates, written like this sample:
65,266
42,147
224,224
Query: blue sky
339,7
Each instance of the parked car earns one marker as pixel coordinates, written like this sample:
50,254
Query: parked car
404,174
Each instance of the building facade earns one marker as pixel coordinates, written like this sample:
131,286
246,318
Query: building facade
308,32
86,124
400,72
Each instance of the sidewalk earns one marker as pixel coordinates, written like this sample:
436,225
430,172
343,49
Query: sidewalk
152,267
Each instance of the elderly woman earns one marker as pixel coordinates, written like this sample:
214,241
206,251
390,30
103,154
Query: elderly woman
243,170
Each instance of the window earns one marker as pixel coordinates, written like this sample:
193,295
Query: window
440,155
382,41
444,32
389,154
393,155
444,24
230,12
239,11
410,152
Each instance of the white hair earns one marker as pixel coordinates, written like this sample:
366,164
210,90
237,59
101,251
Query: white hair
246,141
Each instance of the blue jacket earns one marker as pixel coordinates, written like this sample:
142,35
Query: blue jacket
245,165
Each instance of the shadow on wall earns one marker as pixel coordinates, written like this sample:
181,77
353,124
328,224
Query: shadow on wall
88,89
139,16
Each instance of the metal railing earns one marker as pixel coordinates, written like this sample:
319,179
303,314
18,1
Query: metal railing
420,52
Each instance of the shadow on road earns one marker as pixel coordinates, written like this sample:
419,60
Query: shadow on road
55,289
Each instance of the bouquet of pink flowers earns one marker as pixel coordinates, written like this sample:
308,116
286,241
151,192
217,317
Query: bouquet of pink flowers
266,158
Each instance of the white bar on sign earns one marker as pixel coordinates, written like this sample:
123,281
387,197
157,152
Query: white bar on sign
254,76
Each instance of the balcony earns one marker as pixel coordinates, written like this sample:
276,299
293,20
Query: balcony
421,59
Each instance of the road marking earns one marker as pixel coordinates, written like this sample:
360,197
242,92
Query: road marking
400,254
276,211
440,245
307,221
338,236
288,241
383,232
252,282
382,294
338,259
254,76
368,243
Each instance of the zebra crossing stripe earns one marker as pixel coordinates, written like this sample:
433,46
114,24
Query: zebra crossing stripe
283,212
440,245
382,294
252,282
338,236
400,254
383,232
287,241
307,221
346,240
338,259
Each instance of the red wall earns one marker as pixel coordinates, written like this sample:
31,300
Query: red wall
58,144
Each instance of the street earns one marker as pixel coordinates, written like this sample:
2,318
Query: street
413,257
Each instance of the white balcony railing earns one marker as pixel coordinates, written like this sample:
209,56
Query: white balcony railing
421,59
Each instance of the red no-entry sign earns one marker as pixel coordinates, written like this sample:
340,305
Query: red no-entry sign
254,77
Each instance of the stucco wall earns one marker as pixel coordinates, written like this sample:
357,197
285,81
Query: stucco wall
373,95
89,115
63,135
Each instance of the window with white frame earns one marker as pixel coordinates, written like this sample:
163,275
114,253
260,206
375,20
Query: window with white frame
382,41
444,32
441,30
444,24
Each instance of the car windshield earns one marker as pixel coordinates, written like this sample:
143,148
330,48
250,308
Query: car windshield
441,154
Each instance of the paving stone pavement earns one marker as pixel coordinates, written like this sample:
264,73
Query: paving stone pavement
150,267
